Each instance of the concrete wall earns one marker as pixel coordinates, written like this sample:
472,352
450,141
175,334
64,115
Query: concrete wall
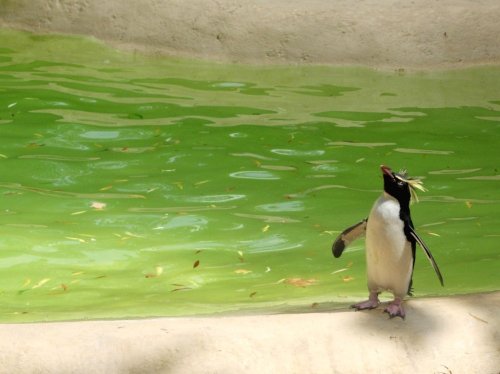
383,33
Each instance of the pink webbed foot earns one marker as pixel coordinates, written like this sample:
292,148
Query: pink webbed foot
395,309
371,303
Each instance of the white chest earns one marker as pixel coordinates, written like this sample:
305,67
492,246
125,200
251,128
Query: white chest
384,232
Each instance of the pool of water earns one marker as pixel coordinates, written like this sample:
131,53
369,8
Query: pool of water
134,187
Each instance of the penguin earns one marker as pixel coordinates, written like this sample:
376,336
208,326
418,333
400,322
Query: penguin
390,242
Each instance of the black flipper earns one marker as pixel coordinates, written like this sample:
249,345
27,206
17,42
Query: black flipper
428,254
348,236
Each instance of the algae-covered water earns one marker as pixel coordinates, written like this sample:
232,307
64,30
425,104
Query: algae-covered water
134,186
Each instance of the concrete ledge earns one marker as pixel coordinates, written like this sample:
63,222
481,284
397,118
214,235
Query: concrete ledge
387,33
440,335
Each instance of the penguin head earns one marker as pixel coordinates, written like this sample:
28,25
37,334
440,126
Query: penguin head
400,186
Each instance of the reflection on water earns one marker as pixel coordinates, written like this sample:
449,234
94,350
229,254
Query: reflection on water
143,187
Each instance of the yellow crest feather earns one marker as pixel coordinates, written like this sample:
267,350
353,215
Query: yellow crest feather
413,183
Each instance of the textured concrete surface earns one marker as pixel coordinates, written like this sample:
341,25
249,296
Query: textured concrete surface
386,34
440,335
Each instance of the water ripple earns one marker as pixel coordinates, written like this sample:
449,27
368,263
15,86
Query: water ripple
358,144
257,175
47,192
267,219
423,151
295,152
287,206
215,198
454,171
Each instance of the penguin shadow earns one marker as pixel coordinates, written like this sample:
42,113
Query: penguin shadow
417,328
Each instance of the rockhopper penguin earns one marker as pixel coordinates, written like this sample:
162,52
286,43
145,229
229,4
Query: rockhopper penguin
390,242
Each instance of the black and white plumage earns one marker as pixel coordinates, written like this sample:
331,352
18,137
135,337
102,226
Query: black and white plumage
390,242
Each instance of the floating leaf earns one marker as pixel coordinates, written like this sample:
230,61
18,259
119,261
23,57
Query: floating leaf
347,278
339,271
253,294
180,287
201,182
196,264
34,145
41,283
105,188
133,235
156,274
468,204
300,282
79,212
77,239
97,205
265,228
242,271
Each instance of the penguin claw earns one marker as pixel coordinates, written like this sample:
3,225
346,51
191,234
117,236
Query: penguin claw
395,309
368,304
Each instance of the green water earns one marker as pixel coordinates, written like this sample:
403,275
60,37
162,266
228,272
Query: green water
134,187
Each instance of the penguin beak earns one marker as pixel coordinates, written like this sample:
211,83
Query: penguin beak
387,171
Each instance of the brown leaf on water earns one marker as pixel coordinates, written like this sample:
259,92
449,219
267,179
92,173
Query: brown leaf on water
196,264
181,289
253,294
469,204
300,282
34,145
347,278
156,274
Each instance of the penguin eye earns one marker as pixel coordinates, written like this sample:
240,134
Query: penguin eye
400,183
